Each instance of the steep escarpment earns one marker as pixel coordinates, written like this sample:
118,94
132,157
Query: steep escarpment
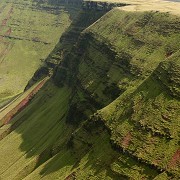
110,110
29,31
108,61
44,97
80,21
145,122
132,60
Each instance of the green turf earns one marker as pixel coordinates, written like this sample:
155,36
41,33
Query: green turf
40,132
35,31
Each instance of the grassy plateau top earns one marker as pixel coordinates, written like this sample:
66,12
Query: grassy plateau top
172,6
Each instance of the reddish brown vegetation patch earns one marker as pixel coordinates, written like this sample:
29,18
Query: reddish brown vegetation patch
126,140
4,22
72,176
8,32
6,119
156,162
175,161
5,51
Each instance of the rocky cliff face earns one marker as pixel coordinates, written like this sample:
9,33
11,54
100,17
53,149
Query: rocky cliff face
29,31
110,110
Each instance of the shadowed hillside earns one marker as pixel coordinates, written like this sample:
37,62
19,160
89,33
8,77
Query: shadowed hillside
29,31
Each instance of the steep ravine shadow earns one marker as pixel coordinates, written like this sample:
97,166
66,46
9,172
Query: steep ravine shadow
80,20
44,131
42,123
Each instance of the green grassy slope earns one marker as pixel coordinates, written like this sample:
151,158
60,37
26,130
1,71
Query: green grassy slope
50,127
28,33
145,123
110,110
144,120
39,146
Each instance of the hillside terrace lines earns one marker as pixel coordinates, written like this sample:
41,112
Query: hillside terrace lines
5,130
7,44
23,103
33,37
11,102
4,24
5,51
6,19
13,108
126,140
8,36
3,21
